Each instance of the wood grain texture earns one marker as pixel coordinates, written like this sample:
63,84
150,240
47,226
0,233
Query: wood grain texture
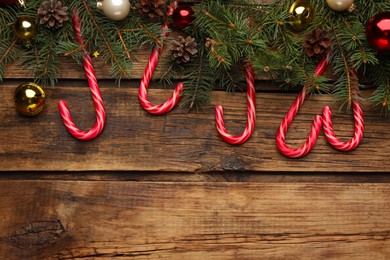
123,220
180,141
168,187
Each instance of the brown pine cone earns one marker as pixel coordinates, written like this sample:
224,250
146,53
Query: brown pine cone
183,49
52,14
152,8
317,42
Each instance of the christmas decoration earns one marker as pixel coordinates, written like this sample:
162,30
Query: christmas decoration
52,14
289,118
317,42
114,9
341,5
183,49
149,70
182,16
302,13
250,126
25,28
152,8
378,32
97,98
29,99
228,34
324,121
20,3
95,54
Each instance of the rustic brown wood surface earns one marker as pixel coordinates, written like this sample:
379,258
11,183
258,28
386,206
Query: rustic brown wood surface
169,187
192,220
181,141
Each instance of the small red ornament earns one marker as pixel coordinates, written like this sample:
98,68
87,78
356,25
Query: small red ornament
182,16
378,32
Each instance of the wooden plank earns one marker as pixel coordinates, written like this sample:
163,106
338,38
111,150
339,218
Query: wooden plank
180,141
119,220
69,69
228,176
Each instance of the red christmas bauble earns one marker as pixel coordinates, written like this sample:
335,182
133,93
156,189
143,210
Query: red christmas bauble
182,16
378,32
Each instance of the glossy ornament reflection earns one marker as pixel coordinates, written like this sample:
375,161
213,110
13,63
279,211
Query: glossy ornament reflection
302,14
182,16
341,5
114,9
29,99
378,32
25,28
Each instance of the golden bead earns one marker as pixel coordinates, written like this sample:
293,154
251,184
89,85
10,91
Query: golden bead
29,99
25,28
302,14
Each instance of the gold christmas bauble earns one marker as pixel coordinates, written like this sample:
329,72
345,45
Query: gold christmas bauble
114,9
25,28
340,5
302,13
29,99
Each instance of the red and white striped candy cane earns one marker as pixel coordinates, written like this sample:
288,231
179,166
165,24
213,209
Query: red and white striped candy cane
97,98
251,121
358,122
319,121
289,118
148,73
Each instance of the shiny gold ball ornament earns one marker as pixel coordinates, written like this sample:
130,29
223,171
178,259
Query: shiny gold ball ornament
29,99
341,5
25,28
302,14
114,9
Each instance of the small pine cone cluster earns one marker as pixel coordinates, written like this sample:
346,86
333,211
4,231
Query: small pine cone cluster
183,49
317,42
152,8
52,14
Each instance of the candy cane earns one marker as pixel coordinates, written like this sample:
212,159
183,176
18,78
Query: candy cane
148,73
251,121
289,118
97,99
358,125
319,121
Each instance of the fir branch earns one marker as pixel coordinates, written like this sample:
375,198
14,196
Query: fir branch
102,34
151,35
347,68
71,52
5,54
123,43
230,25
200,72
7,57
210,43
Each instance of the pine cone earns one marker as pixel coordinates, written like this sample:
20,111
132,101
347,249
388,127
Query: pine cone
183,49
152,8
52,14
317,42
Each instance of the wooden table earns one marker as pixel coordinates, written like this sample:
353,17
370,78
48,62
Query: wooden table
169,187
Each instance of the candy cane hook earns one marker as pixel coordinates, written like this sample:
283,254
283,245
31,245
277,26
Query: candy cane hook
97,99
358,125
148,73
325,120
289,118
251,121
